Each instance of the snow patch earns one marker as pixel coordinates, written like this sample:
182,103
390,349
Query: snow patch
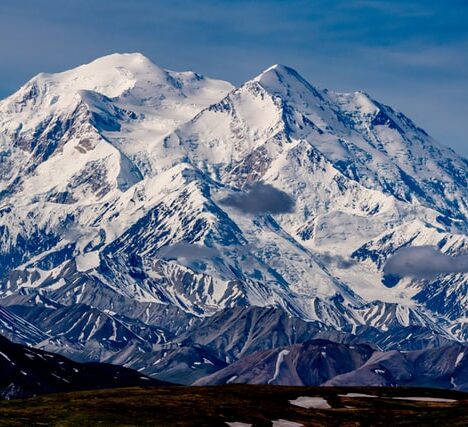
87,261
427,399
310,402
285,423
356,395
238,424
279,361
230,380
5,356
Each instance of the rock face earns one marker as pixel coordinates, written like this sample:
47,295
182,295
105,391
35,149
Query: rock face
443,367
309,363
322,362
27,372
146,213
18,328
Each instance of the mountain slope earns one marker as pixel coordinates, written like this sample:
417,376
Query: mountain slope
17,328
322,362
26,372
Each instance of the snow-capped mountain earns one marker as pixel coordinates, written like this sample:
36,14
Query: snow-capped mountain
115,233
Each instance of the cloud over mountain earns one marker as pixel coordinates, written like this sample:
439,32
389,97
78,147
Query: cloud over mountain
261,198
337,260
424,262
188,251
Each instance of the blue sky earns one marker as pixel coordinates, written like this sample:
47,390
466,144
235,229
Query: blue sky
410,54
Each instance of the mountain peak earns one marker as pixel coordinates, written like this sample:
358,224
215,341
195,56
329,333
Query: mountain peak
280,68
278,71
110,75
132,61
283,80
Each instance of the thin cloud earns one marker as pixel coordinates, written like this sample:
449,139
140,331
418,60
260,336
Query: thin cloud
188,251
261,198
424,262
337,260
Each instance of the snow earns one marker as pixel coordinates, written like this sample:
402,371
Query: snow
230,380
356,395
237,424
459,358
87,261
285,423
427,399
279,361
310,402
6,357
60,378
452,382
57,285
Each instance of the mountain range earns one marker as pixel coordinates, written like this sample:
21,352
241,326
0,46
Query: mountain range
177,225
